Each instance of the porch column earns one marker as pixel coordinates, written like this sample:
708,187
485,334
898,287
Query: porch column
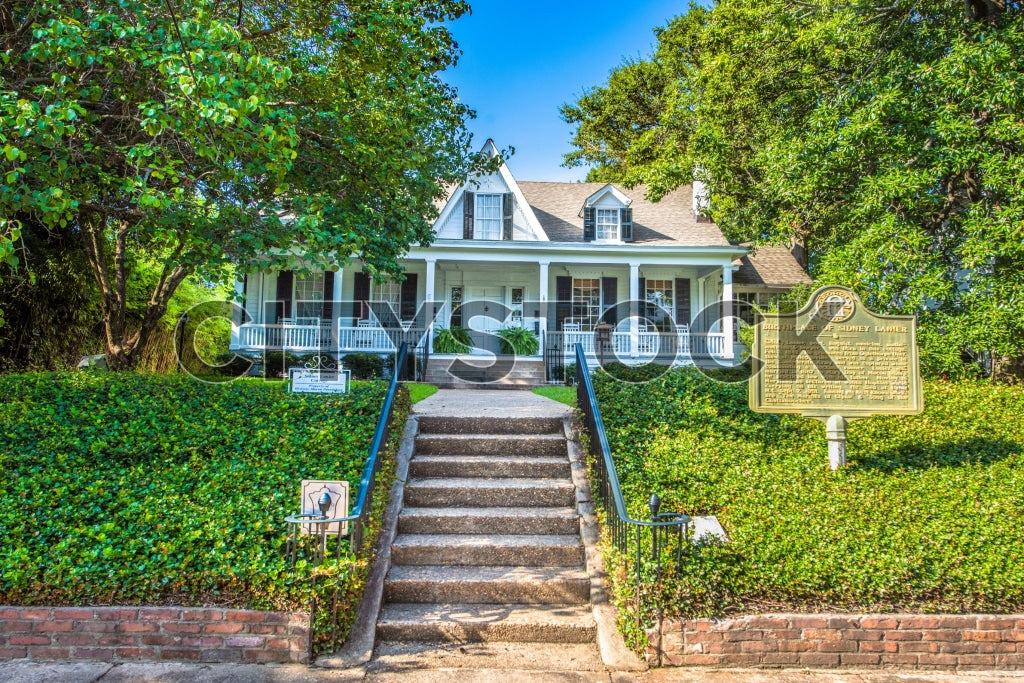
542,294
635,312
239,316
336,313
428,302
727,320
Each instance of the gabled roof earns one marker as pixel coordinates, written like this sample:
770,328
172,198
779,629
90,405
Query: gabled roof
456,193
608,188
770,267
669,221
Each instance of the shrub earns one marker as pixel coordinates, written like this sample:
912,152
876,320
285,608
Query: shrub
452,339
364,365
143,489
518,341
925,517
276,363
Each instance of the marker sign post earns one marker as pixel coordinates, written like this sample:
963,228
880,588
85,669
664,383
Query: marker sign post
835,361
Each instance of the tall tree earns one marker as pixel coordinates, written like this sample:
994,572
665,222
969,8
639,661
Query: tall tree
889,137
207,132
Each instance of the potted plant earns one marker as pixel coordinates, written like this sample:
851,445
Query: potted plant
518,341
452,339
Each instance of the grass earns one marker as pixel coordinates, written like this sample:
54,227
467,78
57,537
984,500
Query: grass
418,392
562,394
926,516
146,489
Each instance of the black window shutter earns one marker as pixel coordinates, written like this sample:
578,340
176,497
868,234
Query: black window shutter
610,295
626,224
468,207
506,216
360,295
408,301
328,308
284,293
589,223
683,301
563,300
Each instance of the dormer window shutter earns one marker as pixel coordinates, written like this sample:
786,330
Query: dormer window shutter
468,207
589,223
626,225
506,216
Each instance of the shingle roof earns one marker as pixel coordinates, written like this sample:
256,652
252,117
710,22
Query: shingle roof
669,221
770,267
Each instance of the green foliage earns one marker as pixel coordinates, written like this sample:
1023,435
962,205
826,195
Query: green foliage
889,139
925,517
452,339
187,130
143,489
518,341
418,392
566,395
364,365
564,373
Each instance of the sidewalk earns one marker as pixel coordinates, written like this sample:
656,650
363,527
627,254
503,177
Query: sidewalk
78,672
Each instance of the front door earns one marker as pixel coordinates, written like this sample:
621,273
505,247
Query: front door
486,316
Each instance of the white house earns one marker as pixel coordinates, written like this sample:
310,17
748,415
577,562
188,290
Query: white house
557,258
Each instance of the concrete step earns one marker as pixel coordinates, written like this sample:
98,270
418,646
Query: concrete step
495,466
489,520
490,425
496,444
487,662
522,585
476,623
482,492
526,550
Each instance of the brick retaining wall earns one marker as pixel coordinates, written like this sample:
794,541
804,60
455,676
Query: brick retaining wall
912,641
153,633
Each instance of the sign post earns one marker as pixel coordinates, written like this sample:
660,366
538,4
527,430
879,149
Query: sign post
835,361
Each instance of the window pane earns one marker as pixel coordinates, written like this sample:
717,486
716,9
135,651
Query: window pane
488,217
586,302
309,294
607,224
659,303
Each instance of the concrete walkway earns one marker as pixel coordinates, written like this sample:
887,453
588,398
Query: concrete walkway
490,403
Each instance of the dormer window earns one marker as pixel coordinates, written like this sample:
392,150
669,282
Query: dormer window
487,216
607,225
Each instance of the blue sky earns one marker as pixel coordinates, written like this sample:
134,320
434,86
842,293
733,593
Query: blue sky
523,59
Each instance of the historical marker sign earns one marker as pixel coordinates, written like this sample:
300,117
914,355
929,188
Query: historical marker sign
321,375
835,360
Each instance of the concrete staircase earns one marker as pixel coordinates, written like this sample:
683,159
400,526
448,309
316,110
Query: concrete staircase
486,372
488,548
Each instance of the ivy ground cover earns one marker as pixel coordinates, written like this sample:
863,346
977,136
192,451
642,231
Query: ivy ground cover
927,516
144,489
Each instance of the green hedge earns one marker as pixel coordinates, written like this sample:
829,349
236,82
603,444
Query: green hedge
144,489
927,515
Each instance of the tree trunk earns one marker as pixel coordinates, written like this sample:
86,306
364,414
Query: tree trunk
124,348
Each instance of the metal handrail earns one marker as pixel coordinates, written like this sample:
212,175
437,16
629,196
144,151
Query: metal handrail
664,528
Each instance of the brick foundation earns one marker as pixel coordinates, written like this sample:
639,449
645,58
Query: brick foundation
153,633
911,641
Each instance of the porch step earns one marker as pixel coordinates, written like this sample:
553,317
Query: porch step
490,425
485,492
480,622
489,520
494,466
481,584
488,549
498,444
485,371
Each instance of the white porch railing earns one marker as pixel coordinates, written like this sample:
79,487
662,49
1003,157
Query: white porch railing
370,339
257,337
297,337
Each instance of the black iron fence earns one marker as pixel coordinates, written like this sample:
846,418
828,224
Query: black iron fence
648,543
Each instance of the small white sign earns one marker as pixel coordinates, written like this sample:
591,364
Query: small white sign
319,381
313,491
